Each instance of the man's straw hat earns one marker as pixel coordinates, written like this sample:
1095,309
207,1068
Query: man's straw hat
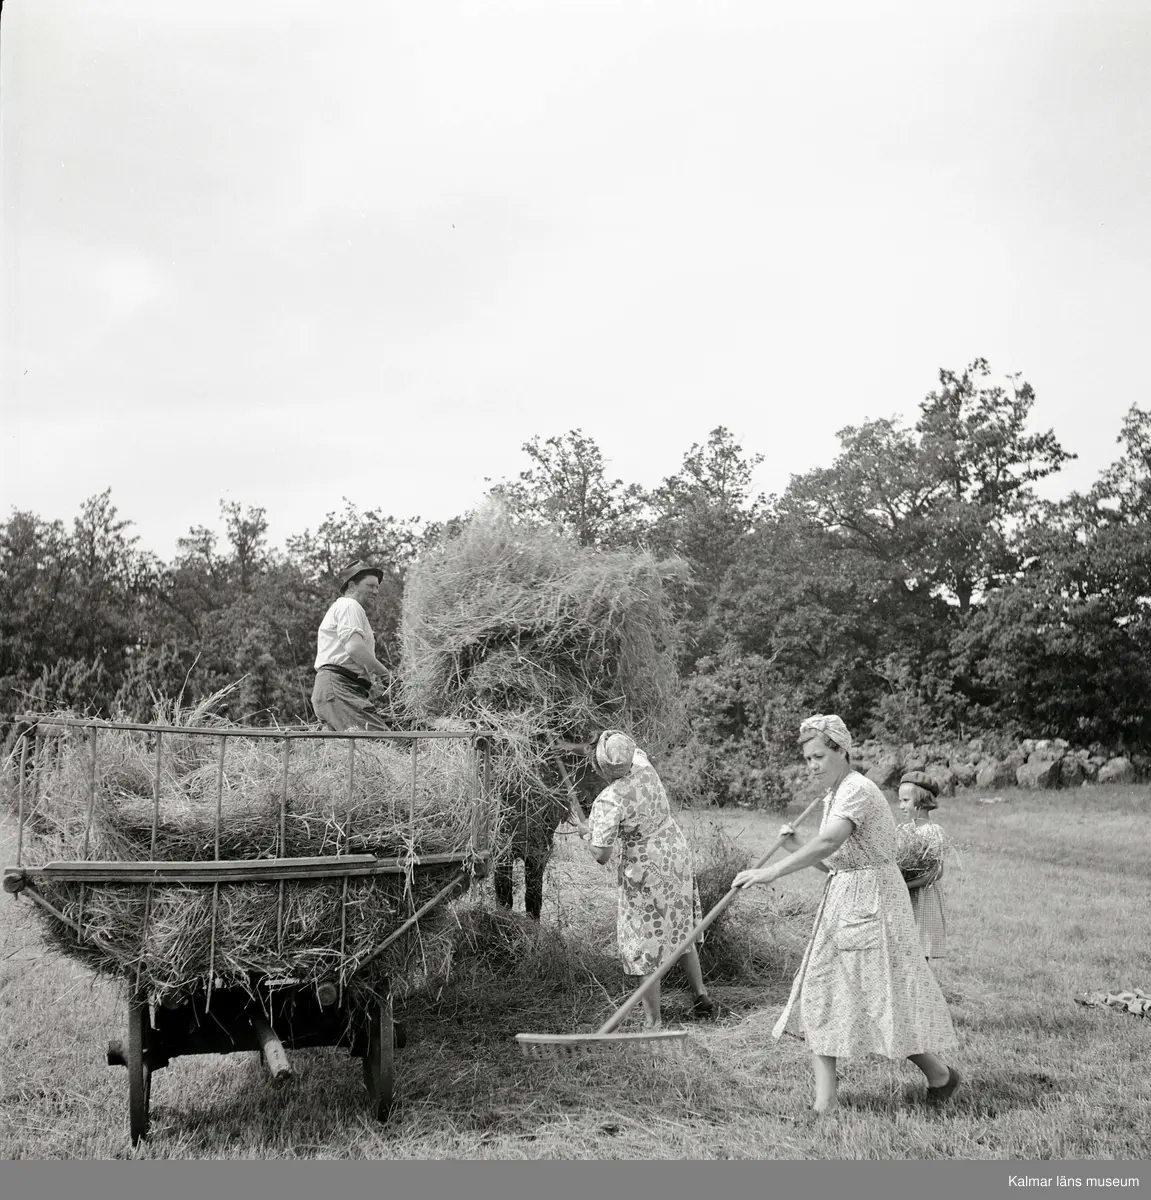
359,568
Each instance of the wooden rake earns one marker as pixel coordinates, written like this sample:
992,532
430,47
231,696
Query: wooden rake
573,1045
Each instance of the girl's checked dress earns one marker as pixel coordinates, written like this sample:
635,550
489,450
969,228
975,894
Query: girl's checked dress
927,903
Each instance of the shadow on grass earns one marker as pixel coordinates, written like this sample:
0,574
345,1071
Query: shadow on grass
983,1095
1067,1019
245,1114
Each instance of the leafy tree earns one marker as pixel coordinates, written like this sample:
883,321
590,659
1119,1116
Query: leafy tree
974,440
1057,665
704,510
109,574
941,504
567,487
847,593
1124,489
726,759
154,673
826,622
1066,650
247,533
875,498
72,605
35,570
701,514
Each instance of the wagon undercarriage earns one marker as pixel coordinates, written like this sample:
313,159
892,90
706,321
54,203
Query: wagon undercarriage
283,1019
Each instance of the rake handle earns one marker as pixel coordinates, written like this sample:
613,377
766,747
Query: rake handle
616,1019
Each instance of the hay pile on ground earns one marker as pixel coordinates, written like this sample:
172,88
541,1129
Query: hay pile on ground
499,961
167,936
760,937
522,631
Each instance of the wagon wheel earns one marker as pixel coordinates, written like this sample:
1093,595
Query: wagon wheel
379,1060
139,1073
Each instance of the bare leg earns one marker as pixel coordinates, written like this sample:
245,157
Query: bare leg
826,1083
933,1067
650,1002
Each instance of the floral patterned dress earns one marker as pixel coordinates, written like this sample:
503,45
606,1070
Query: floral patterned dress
658,903
864,986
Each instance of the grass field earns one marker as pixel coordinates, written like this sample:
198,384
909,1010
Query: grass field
1052,900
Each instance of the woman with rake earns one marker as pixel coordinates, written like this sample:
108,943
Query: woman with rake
657,898
863,986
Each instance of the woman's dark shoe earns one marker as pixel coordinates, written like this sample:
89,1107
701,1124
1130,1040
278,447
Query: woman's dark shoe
937,1095
704,1009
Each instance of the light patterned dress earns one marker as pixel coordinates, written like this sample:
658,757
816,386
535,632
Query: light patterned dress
927,902
658,904
863,986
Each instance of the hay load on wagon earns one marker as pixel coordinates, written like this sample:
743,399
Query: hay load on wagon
174,938
521,631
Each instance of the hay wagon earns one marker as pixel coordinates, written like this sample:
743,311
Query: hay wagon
266,1012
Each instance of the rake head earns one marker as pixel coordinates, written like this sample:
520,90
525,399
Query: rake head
581,1045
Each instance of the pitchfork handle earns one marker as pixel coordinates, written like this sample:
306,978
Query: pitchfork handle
616,1019
573,800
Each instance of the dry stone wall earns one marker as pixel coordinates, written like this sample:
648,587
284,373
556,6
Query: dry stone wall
1040,764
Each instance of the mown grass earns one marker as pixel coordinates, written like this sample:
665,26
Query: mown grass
1051,901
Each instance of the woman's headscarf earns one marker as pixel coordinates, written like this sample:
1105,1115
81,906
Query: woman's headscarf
829,727
614,753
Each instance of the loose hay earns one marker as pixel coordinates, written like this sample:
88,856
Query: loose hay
919,850
523,632
375,817
176,938
759,938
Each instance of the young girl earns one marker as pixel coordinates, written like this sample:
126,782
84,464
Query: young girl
917,799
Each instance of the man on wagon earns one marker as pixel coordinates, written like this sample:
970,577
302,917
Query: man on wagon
346,654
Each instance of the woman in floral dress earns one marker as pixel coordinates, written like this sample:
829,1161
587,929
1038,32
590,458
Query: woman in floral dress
863,986
917,800
658,903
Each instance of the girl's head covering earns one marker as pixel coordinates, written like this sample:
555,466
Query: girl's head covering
831,728
614,753
926,789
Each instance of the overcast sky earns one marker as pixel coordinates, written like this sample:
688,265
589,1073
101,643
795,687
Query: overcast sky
284,252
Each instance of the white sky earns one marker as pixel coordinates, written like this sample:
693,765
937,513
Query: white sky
287,252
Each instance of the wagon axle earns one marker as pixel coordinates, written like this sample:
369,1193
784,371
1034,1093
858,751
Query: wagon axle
118,1056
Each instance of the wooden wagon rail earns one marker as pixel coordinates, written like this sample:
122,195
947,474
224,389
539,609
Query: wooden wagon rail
227,870
38,728
260,731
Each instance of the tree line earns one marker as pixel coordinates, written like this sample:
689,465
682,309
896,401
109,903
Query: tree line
917,585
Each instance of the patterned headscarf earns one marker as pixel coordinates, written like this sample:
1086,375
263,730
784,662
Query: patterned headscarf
829,727
614,753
